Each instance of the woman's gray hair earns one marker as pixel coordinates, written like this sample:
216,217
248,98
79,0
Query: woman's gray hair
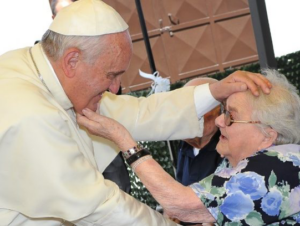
280,109
54,45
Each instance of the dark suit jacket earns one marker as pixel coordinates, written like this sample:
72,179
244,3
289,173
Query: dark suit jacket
191,168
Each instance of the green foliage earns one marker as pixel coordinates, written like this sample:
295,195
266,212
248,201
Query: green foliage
289,65
160,152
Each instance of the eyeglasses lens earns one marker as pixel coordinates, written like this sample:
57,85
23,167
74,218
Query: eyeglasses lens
227,118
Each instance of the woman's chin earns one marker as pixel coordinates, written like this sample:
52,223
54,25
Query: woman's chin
221,149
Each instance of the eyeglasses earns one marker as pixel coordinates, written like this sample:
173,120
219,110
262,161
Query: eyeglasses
228,120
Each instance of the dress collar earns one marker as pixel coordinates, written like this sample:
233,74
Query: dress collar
49,78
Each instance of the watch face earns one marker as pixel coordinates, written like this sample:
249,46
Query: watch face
132,151
139,147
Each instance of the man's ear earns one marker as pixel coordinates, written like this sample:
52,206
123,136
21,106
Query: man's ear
70,61
270,139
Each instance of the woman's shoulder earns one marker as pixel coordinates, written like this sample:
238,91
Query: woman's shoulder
276,157
281,162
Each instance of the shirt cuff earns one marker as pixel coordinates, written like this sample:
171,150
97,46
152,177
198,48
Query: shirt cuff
204,101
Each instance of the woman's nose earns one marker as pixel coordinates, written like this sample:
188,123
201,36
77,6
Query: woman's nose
220,121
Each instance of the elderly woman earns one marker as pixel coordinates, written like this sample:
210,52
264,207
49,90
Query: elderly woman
258,182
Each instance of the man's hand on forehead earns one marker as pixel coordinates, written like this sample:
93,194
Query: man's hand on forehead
237,82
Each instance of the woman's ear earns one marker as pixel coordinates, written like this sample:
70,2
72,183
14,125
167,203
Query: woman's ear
268,139
70,61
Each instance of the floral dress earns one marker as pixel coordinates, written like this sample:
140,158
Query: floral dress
263,189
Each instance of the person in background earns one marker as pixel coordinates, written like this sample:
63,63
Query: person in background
258,181
57,5
49,170
197,157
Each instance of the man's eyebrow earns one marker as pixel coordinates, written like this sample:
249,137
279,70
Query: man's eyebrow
115,73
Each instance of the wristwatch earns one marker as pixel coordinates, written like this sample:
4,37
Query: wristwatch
132,151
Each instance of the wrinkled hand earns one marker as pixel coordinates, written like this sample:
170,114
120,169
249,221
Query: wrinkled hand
237,82
106,127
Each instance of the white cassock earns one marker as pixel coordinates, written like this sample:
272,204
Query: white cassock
48,169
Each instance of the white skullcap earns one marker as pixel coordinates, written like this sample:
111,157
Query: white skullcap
88,18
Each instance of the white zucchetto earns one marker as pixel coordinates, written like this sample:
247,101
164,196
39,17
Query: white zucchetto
88,18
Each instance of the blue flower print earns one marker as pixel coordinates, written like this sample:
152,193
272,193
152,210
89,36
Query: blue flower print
199,190
294,199
296,217
214,212
295,159
291,157
237,206
271,203
250,183
225,172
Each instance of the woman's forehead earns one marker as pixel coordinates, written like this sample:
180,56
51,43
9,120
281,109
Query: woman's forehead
238,101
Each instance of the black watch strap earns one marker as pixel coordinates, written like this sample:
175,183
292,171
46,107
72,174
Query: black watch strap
137,156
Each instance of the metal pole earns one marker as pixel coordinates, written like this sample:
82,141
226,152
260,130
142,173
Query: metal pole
262,34
145,35
150,57
172,157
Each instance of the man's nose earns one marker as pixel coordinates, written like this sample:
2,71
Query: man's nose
115,85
